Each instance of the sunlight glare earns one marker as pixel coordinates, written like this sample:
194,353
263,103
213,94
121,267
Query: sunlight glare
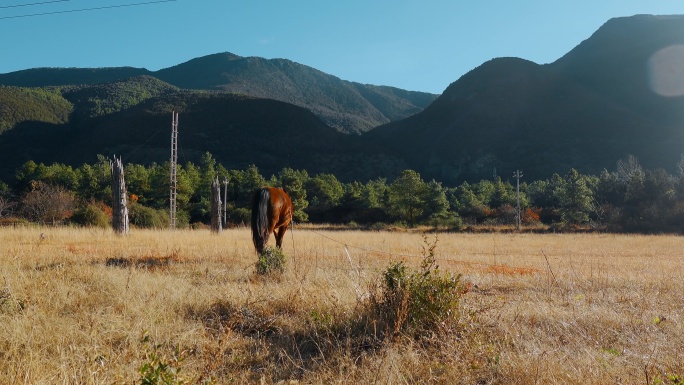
666,71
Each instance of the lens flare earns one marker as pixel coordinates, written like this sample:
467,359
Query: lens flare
666,71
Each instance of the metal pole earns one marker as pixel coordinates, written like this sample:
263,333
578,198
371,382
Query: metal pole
174,169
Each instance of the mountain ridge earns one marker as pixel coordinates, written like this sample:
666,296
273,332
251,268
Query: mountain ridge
341,104
593,106
587,110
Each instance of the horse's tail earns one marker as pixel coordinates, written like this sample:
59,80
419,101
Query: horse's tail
260,231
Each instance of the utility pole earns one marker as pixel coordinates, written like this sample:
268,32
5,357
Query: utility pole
173,171
517,175
225,200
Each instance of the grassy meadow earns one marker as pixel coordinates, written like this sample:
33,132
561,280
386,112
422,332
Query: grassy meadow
84,306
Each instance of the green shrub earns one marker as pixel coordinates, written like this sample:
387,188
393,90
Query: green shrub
670,379
417,301
160,368
147,217
271,261
91,215
240,215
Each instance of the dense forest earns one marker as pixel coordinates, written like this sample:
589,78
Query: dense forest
627,199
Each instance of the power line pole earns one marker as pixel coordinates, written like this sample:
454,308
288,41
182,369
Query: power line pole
173,171
225,199
517,175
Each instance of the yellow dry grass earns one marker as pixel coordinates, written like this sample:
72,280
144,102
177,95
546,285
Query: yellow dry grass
82,306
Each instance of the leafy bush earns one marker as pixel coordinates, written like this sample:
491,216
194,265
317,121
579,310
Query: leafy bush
240,215
147,217
91,215
271,260
417,301
670,379
159,368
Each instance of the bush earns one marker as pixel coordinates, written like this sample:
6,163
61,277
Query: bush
91,215
161,368
417,301
13,222
271,260
453,222
240,216
147,217
47,203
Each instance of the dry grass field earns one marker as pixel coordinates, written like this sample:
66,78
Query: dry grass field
84,306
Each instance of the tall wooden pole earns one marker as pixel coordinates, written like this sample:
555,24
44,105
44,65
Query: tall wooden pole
216,206
119,204
174,169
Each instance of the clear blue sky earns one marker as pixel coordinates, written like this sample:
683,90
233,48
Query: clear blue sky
415,45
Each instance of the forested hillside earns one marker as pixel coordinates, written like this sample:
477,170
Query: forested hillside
628,199
132,118
349,107
19,105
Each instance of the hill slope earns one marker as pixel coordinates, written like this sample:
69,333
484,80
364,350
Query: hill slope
32,104
349,107
237,130
587,110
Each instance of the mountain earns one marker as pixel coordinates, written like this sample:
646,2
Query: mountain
588,109
347,106
618,93
622,60
44,77
25,104
132,119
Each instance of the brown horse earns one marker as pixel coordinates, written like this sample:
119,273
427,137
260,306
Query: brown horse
271,213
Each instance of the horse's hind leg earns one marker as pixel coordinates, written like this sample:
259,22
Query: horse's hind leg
279,234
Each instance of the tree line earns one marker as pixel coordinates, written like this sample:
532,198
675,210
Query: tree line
627,199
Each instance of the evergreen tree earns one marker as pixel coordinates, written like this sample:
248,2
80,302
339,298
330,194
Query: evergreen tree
436,202
632,176
292,182
323,191
407,196
375,194
469,204
575,199
138,182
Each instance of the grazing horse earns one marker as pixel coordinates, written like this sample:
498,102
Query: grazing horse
271,213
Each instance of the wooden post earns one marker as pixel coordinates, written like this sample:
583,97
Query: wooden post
119,203
216,206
